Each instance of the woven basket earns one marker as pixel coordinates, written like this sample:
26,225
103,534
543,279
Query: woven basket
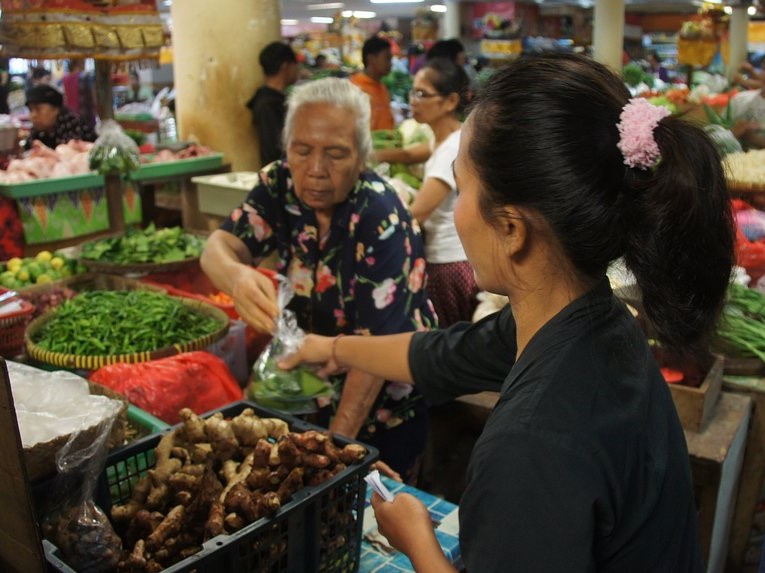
12,328
93,362
137,269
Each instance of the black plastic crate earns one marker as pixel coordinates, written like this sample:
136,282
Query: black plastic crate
318,530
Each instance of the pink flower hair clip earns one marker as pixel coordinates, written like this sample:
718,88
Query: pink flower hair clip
637,123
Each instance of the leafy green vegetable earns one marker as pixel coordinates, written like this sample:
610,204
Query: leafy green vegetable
150,245
742,326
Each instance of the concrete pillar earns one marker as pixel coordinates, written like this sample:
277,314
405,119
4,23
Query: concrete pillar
216,69
738,28
608,33
450,22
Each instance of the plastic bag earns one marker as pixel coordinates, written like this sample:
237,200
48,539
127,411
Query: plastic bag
196,380
294,390
114,151
78,527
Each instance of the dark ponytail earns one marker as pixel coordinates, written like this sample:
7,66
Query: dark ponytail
545,137
680,240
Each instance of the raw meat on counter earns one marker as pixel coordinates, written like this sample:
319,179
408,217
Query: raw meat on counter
193,150
42,162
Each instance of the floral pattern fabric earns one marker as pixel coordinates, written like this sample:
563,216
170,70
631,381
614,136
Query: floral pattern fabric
366,276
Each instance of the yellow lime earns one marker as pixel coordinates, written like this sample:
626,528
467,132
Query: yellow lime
44,256
14,264
43,279
22,275
57,262
66,272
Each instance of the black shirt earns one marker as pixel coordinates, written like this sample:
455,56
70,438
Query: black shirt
68,126
582,465
268,112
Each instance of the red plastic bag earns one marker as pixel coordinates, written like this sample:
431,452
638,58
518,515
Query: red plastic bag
197,380
750,255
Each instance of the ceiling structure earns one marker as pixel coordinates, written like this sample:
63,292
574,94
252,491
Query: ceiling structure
303,11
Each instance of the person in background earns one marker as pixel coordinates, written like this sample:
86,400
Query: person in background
136,92
438,98
656,67
454,50
39,76
377,57
280,68
748,107
320,62
79,92
582,465
350,249
52,122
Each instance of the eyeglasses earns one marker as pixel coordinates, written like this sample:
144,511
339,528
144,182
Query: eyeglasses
419,94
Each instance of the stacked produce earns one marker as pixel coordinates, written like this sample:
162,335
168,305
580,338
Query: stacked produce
214,476
742,327
104,323
45,267
746,168
150,245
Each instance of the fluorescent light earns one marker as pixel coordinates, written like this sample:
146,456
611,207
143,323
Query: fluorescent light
438,8
358,14
322,20
395,1
752,10
728,10
325,6
289,22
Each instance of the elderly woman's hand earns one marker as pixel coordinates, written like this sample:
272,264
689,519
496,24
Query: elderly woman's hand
255,299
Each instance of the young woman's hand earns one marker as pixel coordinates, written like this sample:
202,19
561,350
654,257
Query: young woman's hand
314,350
406,523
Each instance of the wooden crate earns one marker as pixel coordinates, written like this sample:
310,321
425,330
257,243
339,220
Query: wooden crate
695,406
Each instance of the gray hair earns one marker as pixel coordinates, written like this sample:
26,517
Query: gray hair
338,92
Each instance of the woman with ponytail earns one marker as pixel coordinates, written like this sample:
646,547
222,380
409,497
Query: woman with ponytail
582,466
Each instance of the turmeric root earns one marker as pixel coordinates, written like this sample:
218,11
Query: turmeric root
193,428
239,499
169,527
258,478
311,440
121,513
240,474
234,522
221,436
261,453
214,523
292,483
352,453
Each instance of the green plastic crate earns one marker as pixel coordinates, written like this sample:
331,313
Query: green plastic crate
181,167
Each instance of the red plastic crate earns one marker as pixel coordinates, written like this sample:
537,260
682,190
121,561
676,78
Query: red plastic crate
12,328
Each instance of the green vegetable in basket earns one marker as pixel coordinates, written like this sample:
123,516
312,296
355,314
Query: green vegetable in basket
105,323
150,245
742,327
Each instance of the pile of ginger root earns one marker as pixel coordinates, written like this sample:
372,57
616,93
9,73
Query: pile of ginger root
215,476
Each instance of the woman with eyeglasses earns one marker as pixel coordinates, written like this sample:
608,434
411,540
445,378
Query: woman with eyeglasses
438,98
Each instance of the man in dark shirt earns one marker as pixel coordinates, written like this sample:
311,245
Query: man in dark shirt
52,123
280,68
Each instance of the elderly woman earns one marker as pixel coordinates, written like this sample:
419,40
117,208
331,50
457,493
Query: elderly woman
349,248
52,123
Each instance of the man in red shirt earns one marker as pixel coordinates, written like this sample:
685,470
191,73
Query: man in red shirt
376,56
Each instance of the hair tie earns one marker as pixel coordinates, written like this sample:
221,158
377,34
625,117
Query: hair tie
637,123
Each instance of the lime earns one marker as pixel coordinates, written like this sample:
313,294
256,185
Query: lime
44,256
43,279
22,275
14,264
7,279
57,263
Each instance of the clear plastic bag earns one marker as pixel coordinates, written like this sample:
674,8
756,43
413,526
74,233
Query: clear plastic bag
114,151
77,526
293,390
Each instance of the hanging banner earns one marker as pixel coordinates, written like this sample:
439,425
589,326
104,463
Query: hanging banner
55,29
